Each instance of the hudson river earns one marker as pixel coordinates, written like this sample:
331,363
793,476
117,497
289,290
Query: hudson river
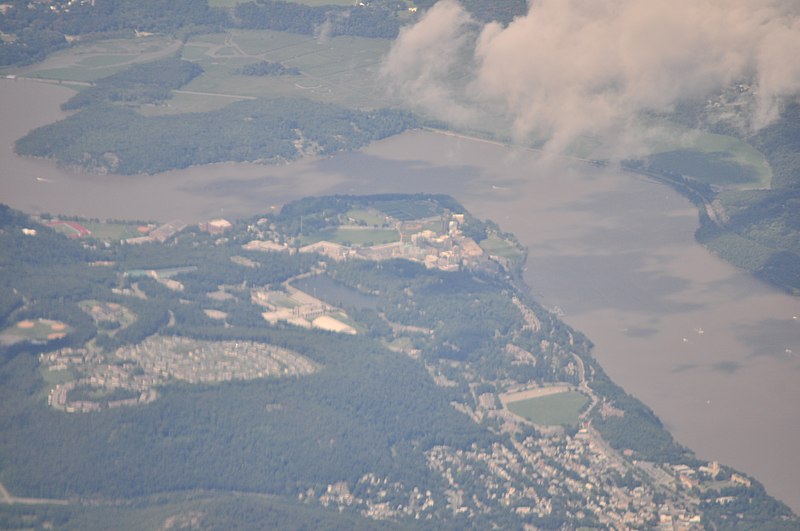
715,352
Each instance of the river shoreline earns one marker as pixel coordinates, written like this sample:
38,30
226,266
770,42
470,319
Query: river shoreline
615,251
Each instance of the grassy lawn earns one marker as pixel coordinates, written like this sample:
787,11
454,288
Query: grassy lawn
499,247
554,410
370,217
408,210
39,329
282,301
52,378
342,70
112,231
94,61
353,236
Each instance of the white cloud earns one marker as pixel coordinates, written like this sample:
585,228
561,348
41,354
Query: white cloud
575,67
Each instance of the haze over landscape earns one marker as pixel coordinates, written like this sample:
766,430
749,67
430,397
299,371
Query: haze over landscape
387,264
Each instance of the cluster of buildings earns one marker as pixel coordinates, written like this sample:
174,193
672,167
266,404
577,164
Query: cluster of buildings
298,308
379,498
97,377
139,369
447,250
215,226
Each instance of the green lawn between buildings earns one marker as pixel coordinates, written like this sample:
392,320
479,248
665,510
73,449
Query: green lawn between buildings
552,410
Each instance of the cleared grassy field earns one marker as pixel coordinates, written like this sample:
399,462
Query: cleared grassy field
499,247
370,217
341,70
552,410
354,236
112,231
283,301
92,61
36,330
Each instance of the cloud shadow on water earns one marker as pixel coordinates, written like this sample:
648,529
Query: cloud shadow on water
641,332
768,338
727,367
585,283
684,367
364,173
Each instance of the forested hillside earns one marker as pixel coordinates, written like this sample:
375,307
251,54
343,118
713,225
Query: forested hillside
401,422
760,229
114,139
38,30
151,82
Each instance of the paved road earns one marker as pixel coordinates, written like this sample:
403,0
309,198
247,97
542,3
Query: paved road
6,497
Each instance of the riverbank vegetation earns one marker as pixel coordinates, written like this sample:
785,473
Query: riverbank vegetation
107,138
754,227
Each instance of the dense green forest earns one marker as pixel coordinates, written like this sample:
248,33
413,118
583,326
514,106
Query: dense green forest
755,229
203,510
503,11
38,30
151,82
267,68
117,139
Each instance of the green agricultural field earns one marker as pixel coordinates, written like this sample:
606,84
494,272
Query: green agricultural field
341,70
91,61
562,409
34,330
353,236
52,378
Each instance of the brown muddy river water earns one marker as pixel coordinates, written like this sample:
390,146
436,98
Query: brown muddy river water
713,351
